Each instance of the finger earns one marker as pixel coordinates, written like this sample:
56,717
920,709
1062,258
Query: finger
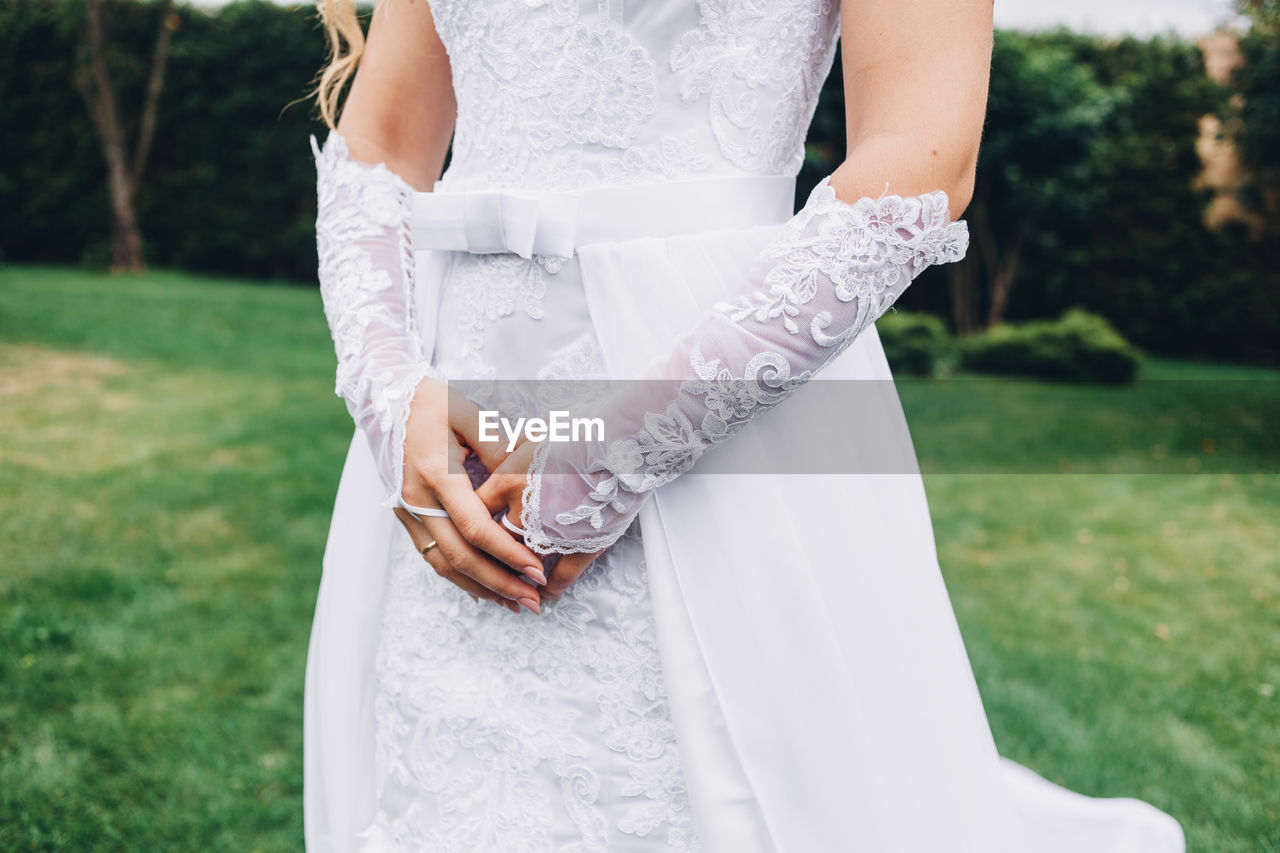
464,420
505,487
434,558
419,488
458,579
567,570
475,523
416,508
501,491
478,566
439,563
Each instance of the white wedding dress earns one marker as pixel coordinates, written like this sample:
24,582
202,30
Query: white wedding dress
763,663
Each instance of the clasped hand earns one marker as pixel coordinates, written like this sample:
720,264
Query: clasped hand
473,550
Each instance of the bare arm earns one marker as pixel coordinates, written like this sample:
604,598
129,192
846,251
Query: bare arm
916,75
401,108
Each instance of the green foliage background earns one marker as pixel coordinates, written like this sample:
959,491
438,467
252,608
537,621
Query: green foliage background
230,186
1089,155
1257,111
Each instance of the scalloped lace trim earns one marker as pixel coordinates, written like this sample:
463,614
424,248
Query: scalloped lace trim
536,536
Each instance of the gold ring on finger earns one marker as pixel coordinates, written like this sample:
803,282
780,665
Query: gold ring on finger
427,548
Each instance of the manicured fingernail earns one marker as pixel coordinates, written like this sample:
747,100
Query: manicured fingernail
537,574
511,605
532,605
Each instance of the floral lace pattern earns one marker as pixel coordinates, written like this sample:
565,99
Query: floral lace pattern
581,360
558,95
670,158
490,287
366,284
498,732
836,268
741,48
605,86
534,84
869,250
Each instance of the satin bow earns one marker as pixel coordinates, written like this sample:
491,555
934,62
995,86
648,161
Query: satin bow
493,221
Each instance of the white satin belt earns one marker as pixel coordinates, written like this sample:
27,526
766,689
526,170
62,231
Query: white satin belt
556,224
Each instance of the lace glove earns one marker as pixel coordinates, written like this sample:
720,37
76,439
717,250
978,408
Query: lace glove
836,268
366,283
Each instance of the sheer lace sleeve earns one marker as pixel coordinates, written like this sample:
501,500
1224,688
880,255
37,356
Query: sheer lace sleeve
834,270
366,283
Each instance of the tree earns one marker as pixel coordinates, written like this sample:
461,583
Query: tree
1143,256
1257,118
1044,116
124,171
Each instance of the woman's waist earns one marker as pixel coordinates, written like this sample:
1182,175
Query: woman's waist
528,222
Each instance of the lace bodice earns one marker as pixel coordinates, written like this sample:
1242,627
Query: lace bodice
560,94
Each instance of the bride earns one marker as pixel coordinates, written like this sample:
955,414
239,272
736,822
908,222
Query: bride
582,646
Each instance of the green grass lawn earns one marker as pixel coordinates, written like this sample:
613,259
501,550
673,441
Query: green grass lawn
169,450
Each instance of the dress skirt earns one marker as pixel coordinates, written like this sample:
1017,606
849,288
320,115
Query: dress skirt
766,662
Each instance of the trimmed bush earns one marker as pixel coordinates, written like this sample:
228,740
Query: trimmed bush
914,342
1078,346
